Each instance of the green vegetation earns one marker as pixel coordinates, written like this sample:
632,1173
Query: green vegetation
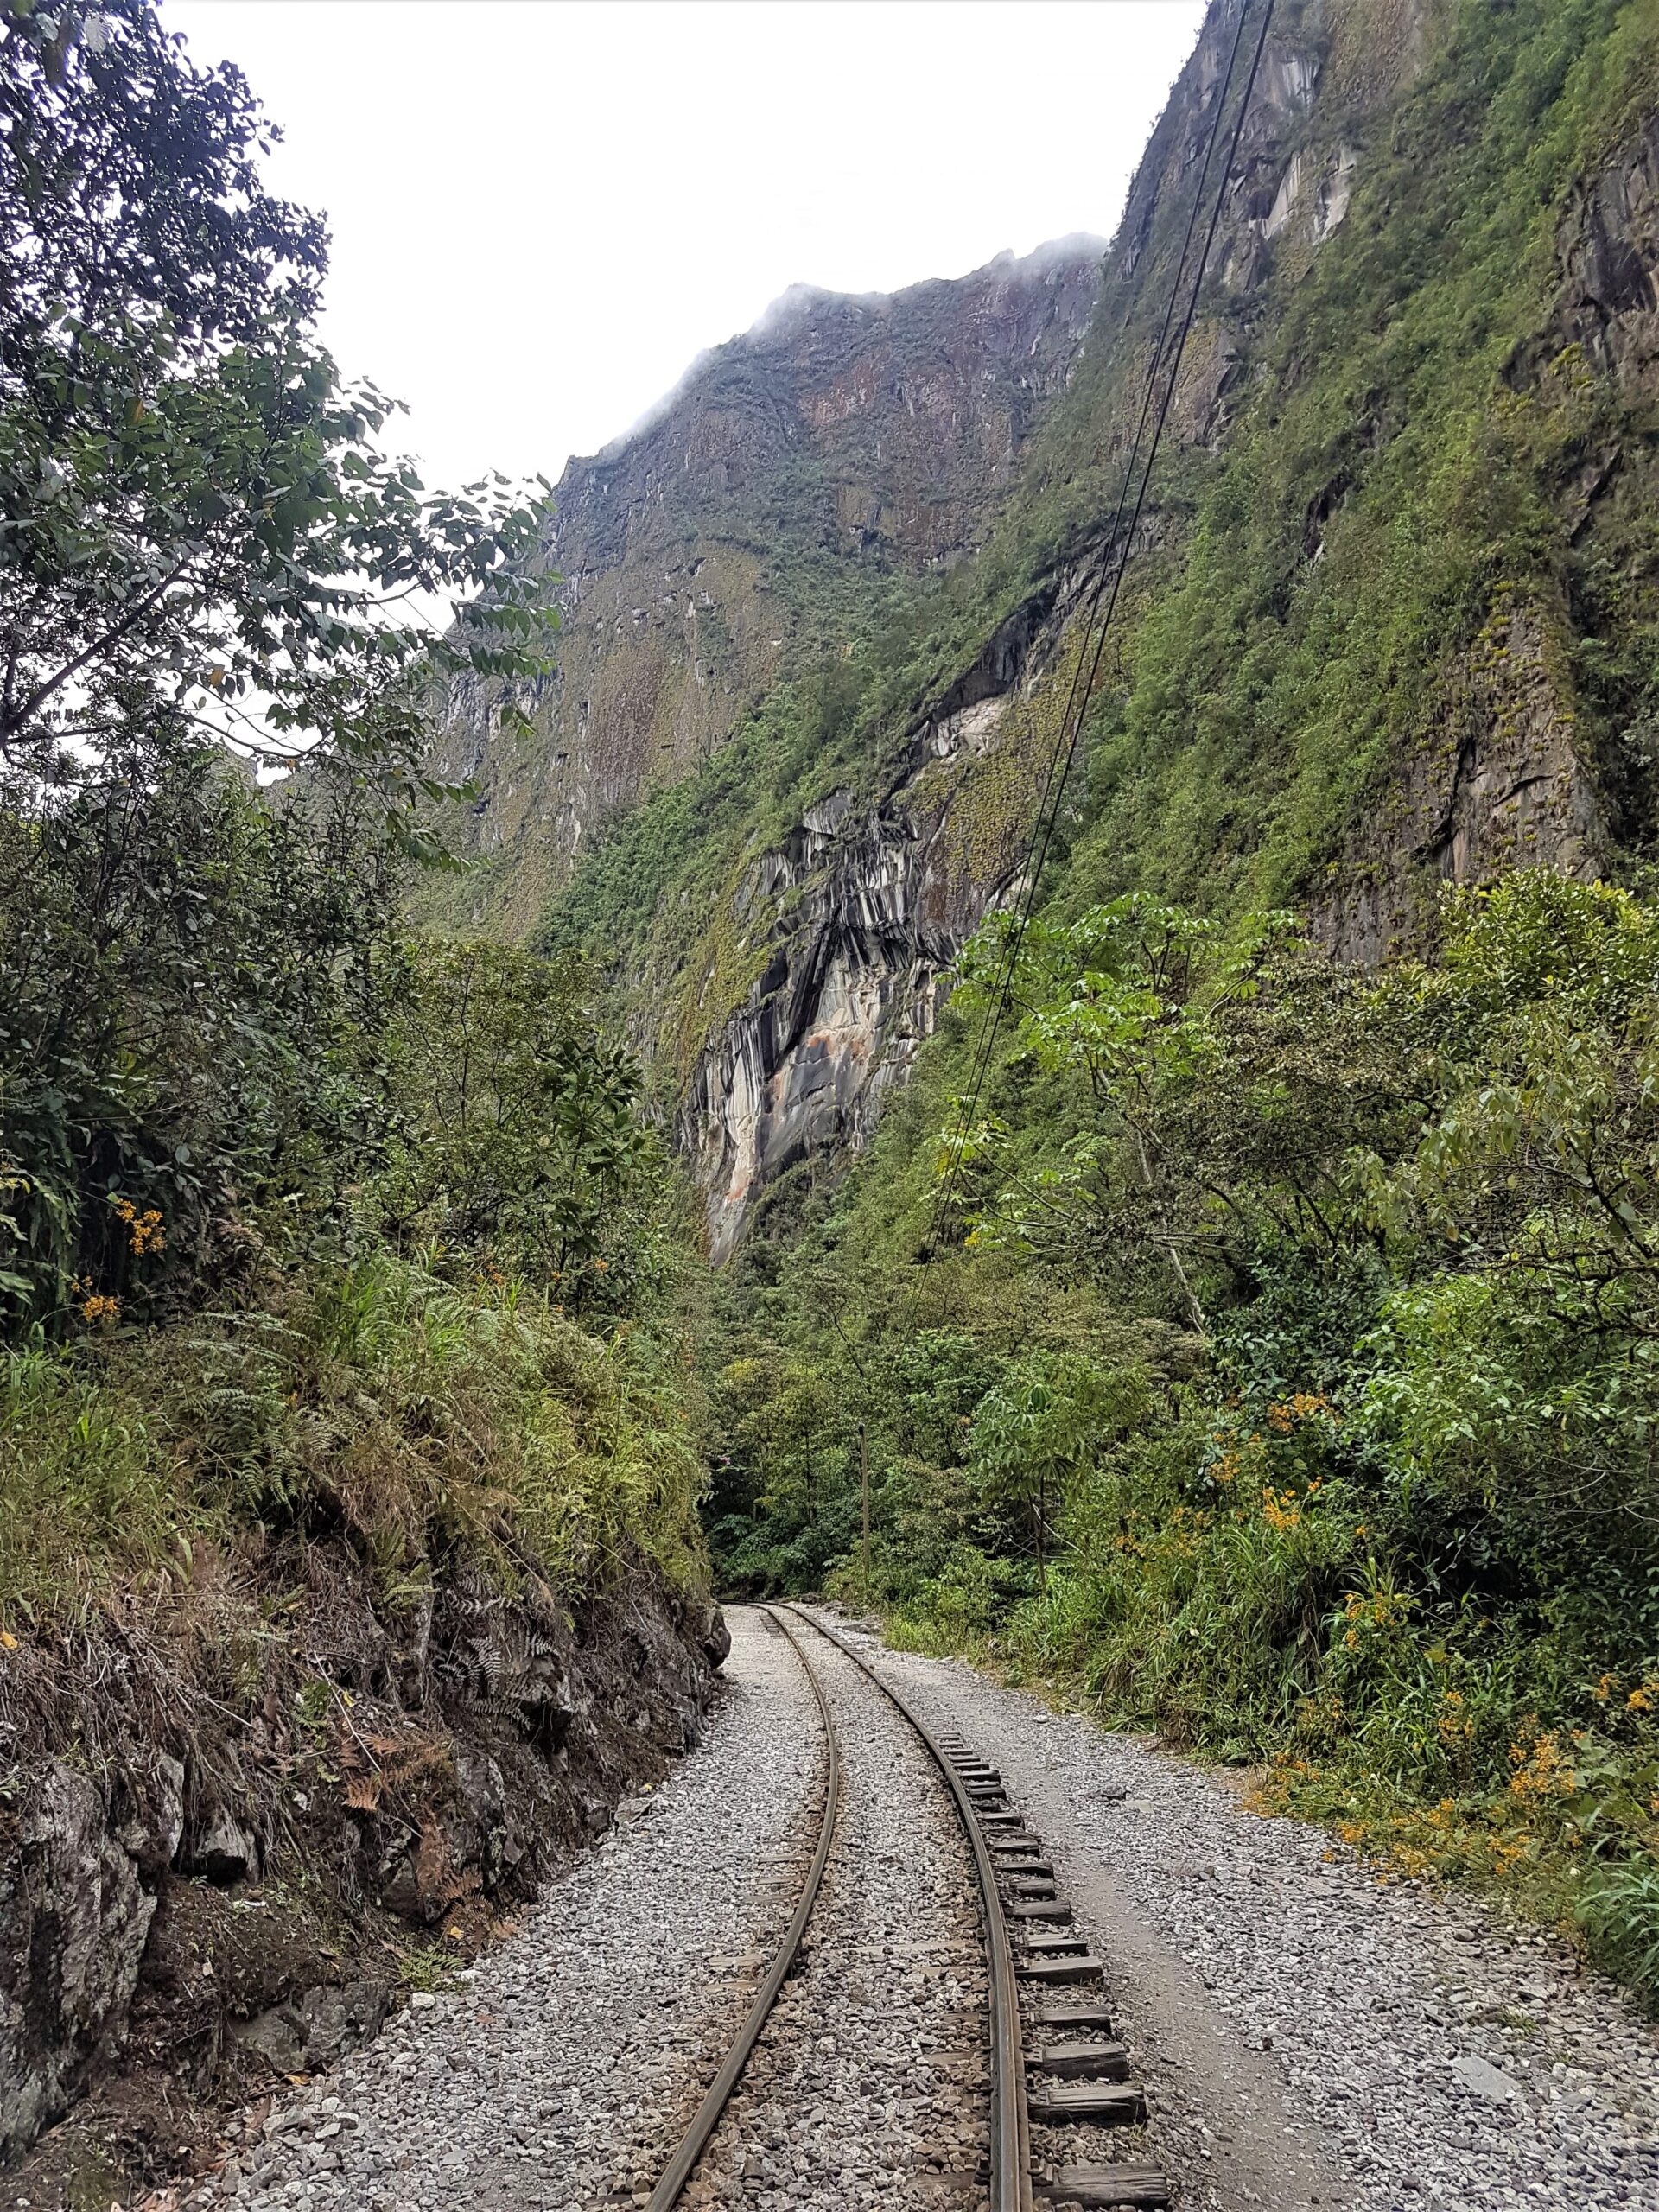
1288,1383
306,1226
1387,554
515,1130
429,1417
1408,434
1280,1374
656,899
664,906
1277,1367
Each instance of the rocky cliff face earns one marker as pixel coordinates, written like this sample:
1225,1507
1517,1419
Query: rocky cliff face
193,1904
867,907
1506,760
1506,768
705,555
977,424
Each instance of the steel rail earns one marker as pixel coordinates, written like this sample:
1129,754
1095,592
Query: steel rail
692,2145
1010,2189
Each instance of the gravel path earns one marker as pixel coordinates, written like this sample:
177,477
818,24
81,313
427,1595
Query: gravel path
1308,2035
576,2051
869,2086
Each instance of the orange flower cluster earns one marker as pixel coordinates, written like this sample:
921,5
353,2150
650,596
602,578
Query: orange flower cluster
1301,1405
1542,1769
1453,1723
1644,1697
144,1230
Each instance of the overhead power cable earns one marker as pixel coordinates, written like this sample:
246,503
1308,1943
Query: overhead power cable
1163,371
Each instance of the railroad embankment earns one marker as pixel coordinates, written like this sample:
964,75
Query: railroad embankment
340,1625
1302,2034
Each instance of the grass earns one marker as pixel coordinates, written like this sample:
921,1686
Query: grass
422,1415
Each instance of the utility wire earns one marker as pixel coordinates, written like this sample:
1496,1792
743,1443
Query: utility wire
1080,691
1027,877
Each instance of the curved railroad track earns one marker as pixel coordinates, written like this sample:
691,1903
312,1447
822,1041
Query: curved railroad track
691,2145
1047,2014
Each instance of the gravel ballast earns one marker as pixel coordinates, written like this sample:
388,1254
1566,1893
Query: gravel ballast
552,2076
869,2085
1307,2034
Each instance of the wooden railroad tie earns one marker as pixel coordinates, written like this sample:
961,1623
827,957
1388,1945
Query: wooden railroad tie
1082,2062
1081,1966
1132,2187
1108,2104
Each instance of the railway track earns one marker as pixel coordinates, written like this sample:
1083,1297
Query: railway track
1060,2091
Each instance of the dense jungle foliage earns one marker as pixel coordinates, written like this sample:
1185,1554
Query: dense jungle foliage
1286,1379
304,1221
1280,1373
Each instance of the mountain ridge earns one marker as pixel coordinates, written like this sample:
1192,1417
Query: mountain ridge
1353,657
867,436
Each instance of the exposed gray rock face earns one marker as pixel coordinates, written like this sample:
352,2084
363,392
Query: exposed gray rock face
1505,776
836,1019
866,909
1609,247
1499,780
77,1892
157,1912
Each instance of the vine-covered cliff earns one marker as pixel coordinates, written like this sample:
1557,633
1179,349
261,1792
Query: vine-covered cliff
1383,623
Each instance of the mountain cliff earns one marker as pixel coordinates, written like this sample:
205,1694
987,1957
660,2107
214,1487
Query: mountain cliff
1385,622
793,481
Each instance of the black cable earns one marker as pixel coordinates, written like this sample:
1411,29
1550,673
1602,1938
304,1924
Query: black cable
1080,693
979,1064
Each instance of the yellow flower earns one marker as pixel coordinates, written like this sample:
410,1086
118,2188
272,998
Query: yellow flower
144,1230
1639,1701
100,1308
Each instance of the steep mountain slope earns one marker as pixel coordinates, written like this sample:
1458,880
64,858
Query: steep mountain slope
1388,619
799,474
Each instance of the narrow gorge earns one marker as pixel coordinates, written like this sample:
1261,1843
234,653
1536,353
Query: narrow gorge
831,1344
776,905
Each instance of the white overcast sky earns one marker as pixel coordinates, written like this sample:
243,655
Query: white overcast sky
543,209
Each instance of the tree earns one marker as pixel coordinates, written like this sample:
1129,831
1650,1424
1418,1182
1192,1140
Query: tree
518,1128
1213,1090
201,530
192,988
200,537
1050,1415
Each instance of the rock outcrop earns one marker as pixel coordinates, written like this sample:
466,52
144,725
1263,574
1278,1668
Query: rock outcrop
843,437
869,907
194,1901
864,910
1609,252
